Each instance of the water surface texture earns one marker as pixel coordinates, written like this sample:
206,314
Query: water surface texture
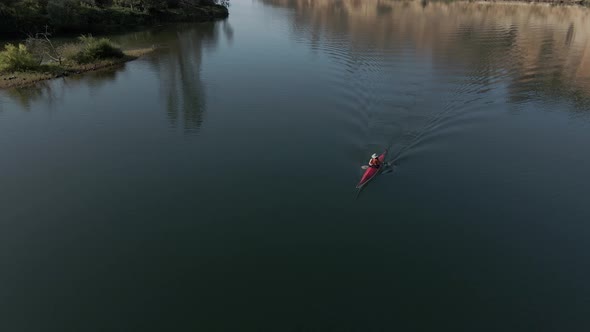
210,185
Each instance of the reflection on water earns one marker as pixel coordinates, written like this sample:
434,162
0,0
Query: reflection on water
46,91
540,51
179,72
49,91
177,63
178,66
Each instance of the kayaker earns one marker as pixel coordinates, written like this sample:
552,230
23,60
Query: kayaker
374,162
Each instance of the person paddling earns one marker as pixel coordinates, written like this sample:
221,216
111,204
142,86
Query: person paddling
374,162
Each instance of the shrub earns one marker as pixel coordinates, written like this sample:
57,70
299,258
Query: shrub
69,50
92,49
16,58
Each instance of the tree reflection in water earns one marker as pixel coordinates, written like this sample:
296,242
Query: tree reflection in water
177,65
179,72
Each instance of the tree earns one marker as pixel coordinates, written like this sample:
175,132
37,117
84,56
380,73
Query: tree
41,47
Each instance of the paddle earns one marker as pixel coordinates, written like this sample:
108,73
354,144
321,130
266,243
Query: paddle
389,169
385,165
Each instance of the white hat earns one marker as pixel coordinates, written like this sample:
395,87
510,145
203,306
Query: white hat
374,155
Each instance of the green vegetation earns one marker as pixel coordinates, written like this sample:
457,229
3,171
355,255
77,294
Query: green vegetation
92,49
22,65
26,17
39,59
17,58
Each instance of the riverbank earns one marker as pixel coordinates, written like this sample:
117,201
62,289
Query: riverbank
52,71
22,18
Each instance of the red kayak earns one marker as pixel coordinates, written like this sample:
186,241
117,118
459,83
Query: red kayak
371,172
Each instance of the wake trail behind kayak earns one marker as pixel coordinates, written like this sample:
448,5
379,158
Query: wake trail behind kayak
464,98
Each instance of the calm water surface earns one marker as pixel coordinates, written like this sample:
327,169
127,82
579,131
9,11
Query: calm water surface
210,185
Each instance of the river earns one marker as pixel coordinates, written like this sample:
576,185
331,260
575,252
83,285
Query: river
210,185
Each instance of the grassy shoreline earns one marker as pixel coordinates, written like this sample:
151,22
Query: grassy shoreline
19,79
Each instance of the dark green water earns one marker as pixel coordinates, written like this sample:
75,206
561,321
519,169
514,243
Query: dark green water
210,185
